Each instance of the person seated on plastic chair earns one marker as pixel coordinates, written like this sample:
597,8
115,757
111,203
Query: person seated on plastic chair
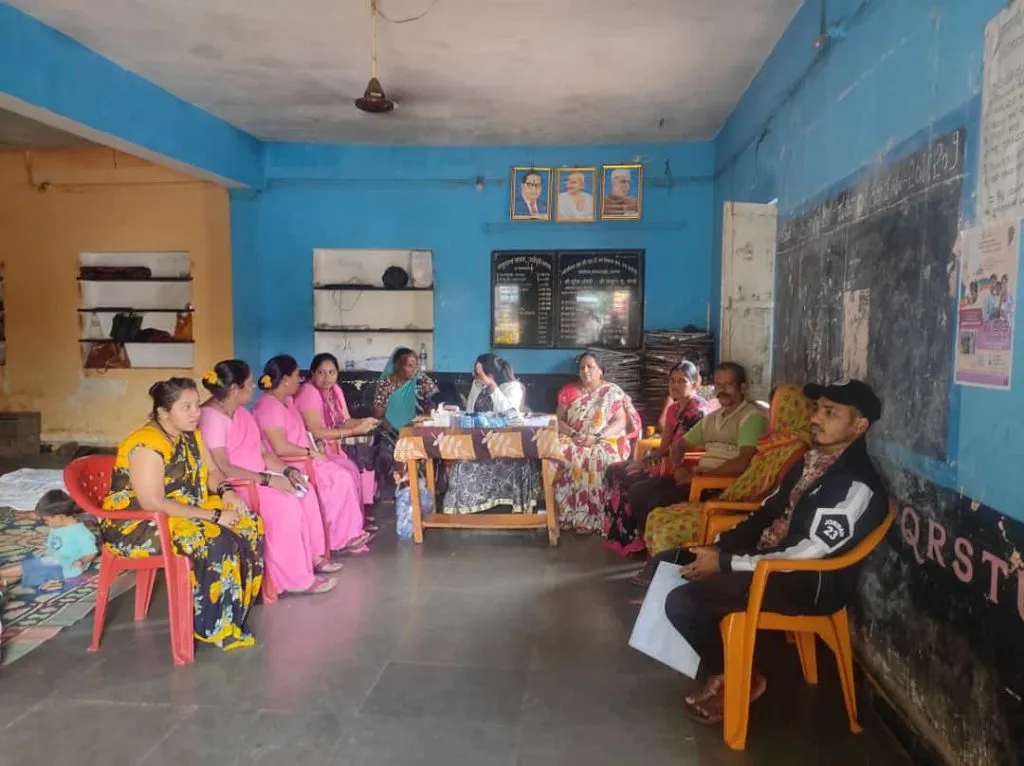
825,506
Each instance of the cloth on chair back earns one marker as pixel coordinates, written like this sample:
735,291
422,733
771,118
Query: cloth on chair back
789,435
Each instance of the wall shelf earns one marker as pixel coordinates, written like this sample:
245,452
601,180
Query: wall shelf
165,355
134,281
364,330
161,301
379,288
130,310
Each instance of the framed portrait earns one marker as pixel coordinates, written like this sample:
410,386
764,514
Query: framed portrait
530,194
576,195
622,190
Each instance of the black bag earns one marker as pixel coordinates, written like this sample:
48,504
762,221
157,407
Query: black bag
125,327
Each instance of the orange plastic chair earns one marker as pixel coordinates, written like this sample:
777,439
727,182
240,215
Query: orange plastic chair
88,482
739,634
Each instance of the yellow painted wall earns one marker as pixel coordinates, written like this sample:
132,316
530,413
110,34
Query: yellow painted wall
98,200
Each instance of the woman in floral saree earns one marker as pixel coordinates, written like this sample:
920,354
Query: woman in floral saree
687,409
163,466
594,434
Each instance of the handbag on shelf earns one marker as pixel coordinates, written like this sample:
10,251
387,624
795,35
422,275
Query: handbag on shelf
115,273
107,355
183,326
125,326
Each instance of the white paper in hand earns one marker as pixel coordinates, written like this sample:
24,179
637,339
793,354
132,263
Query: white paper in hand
653,634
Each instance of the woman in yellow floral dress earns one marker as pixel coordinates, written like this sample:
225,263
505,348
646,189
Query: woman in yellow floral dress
164,467
593,435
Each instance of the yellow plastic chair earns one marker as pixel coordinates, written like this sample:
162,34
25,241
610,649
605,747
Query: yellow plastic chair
739,634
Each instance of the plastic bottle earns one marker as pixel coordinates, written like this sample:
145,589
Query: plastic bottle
350,363
423,356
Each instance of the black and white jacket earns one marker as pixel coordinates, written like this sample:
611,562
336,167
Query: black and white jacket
833,515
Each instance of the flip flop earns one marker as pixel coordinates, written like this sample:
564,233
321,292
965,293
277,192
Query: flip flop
326,566
320,585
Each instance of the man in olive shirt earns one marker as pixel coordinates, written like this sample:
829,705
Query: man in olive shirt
728,436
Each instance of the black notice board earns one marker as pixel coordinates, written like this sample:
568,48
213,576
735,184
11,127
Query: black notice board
523,300
567,299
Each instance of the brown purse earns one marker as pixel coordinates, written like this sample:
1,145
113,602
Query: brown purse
183,326
107,356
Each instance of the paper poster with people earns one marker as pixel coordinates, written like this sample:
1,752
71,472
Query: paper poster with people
987,303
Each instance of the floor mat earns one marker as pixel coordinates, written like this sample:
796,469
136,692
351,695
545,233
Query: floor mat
31,616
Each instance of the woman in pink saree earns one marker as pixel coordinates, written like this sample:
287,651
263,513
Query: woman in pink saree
285,434
322,405
291,516
594,434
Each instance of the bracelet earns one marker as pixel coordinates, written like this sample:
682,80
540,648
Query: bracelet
264,479
290,470
216,516
222,488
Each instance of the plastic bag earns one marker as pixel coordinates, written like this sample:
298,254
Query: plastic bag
403,508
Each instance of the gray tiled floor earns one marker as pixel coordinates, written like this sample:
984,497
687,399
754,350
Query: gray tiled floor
475,649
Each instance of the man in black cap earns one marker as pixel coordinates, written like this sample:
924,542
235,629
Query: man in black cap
824,507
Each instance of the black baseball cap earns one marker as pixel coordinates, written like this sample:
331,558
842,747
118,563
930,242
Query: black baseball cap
855,393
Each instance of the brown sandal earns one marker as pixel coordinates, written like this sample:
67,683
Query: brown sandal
709,709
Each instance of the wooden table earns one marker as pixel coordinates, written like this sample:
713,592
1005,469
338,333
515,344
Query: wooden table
425,443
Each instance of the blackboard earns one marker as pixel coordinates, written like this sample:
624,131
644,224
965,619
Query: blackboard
523,289
567,299
862,289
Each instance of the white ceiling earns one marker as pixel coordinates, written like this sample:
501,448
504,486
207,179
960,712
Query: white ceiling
465,72
17,132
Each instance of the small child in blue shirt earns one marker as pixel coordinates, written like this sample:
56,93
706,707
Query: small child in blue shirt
70,546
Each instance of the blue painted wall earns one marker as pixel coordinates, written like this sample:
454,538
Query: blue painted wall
398,197
49,70
908,69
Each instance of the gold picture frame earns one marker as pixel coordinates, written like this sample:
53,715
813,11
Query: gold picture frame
618,204
521,189
576,194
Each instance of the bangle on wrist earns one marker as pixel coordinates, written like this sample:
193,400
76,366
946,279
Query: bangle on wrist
222,488
216,516
264,479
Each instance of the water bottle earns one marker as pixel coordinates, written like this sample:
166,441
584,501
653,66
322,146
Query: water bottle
350,363
423,356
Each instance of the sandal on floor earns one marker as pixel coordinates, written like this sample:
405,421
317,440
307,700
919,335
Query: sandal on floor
640,579
358,541
709,709
356,551
326,566
370,525
320,585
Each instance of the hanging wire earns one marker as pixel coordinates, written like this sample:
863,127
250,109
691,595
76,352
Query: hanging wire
406,20
373,37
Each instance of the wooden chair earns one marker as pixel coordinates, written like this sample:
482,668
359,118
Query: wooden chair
739,634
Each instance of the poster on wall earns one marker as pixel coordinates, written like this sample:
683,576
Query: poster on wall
1001,163
988,291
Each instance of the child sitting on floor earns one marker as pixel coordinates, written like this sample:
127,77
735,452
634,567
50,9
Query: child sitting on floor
70,546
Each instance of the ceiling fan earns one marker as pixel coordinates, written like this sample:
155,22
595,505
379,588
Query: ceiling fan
374,99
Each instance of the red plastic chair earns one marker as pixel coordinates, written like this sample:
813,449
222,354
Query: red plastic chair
268,591
308,465
88,482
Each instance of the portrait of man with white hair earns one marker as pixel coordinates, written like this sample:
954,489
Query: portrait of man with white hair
622,191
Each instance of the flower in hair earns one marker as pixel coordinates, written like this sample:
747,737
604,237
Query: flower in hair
212,378
265,381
